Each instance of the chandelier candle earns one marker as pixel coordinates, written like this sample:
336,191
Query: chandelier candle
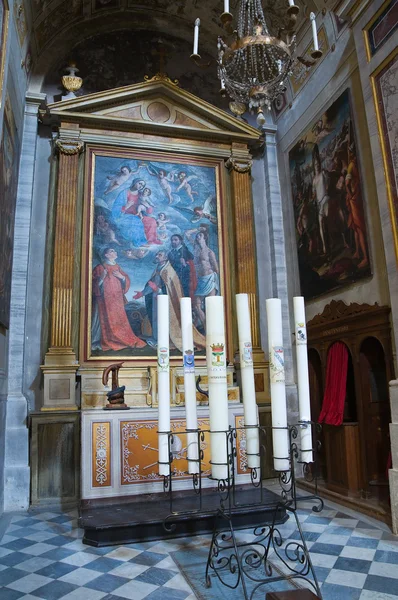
247,378
226,6
189,384
196,37
163,384
277,385
302,378
314,31
217,377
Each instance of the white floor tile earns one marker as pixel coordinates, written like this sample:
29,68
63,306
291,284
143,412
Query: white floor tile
41,536
178,583
368,533
5,552
330,538
323,560
388,546
348,578
6,539
46,516
314,527
167,563
129,570
29,583
80,576
134,590
370,595
360,553
341,522
34,564
79,559
37,549
86,595
122,553
384,570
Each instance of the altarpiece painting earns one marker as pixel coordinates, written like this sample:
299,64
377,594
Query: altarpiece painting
153,226
328,204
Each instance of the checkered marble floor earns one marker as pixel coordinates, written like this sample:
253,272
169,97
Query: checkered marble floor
42,556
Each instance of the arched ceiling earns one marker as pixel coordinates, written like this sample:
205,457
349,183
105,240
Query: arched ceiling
64,28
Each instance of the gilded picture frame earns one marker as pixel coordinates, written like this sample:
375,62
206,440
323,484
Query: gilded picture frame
4,19
153,223
381,27
386,124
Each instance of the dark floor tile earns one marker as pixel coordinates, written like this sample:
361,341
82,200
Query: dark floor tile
10,575
358,542
19,544
156,576
386,557
99,551
331,591
60,540
7,594
318,520
55,590
106,583
104,565
385,585
56,570
309,536
15,558
331,549
353,564
148,558
170,594
58,553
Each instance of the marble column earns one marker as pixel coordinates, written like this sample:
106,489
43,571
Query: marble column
60,363
17,471
277,244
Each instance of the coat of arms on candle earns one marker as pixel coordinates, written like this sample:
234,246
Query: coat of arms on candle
277,364
189,361
247,355
163,359
217,355
301,333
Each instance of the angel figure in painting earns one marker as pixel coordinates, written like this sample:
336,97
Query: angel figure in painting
208,211
121,177
164,179
185,184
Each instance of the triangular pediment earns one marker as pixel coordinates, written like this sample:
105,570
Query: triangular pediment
157,106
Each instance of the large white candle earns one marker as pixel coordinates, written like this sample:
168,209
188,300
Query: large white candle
217,378
189,384
163,383
247,377
277,384
196,36
314,31
302,378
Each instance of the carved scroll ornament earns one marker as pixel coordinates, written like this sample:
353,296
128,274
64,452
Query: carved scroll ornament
69,147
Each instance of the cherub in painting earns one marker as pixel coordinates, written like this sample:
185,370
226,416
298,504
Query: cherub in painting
185,184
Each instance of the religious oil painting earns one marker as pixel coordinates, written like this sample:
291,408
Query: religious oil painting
4,13
381,27
154,228
328,203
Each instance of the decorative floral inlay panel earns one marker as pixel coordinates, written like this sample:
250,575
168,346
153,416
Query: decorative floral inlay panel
139,448
101,454
241,458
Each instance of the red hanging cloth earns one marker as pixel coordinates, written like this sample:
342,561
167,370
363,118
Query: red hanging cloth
336,382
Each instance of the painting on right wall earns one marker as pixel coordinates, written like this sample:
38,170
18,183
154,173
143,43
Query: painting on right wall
328,204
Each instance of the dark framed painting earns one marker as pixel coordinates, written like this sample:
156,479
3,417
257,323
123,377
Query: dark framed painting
384,82
9,164
4,15
381,27
154,224
329,217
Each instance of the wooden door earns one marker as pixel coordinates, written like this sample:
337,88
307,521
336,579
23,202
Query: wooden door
376,415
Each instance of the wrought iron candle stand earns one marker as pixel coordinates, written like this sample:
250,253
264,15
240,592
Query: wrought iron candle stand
249,564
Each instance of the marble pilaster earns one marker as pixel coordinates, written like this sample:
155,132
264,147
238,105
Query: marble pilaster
277,246
17,471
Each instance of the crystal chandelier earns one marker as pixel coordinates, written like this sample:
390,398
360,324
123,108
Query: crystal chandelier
253,64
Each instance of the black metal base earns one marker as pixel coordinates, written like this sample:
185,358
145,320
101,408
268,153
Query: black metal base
144,520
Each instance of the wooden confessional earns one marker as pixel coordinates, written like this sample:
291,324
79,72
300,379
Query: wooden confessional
354,456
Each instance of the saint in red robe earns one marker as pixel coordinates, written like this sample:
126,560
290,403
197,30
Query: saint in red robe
109,290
